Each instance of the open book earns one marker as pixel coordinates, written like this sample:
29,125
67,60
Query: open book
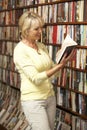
67,46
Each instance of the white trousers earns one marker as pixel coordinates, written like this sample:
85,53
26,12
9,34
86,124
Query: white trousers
40,113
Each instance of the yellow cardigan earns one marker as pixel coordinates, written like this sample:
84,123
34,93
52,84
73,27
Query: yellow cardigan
32,67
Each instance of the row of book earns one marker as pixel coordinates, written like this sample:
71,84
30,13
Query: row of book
7,47
5,61
11,113
10,17
5,4
62,12
9,33
51,34
63,119
72,101
74,80
52,13
67,121
56,34
9,77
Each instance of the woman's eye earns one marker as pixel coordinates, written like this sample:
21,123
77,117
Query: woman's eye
36,28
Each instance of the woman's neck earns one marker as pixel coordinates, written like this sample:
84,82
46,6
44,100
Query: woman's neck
31,43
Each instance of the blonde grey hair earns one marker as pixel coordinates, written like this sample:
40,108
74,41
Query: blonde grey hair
27,21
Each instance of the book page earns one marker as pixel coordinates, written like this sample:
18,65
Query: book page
67,46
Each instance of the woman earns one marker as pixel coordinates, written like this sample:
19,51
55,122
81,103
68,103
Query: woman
36,71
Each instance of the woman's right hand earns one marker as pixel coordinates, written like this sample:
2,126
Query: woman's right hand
66,58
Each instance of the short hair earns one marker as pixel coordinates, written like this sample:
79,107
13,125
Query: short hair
27,20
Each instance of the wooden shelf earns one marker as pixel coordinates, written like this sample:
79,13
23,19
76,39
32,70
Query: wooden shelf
2,128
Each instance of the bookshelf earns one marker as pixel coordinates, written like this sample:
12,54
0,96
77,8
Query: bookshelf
61,17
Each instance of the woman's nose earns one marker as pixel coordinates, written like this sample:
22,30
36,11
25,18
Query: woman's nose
40,30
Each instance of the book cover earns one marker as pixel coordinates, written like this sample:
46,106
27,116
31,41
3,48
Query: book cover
67,46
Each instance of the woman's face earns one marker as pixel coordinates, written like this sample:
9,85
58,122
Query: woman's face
35,32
